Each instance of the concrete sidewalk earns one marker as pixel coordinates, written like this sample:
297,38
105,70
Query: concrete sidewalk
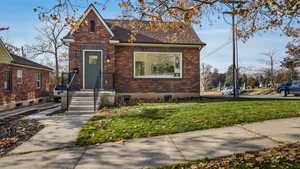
157,151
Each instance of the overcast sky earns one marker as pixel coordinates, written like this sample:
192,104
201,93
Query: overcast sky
19,16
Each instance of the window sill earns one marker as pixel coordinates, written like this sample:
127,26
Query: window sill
158,78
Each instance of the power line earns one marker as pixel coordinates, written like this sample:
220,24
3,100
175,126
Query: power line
217,49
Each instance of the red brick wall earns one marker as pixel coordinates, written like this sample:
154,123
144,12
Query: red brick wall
122,63
27,90
125,83
86,40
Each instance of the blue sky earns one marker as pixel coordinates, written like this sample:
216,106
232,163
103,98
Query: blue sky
19,16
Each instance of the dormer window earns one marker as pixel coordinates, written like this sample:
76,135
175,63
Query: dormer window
92,26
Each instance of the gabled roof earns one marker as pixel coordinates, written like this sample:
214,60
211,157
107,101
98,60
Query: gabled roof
4,54
90,8
122,31
14,59
23,61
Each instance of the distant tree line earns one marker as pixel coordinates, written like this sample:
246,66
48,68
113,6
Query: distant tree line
267,77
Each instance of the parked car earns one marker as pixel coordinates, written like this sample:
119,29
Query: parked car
283,85
291,87
228,91
57,92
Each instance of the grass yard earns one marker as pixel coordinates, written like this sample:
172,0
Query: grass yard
281,157
152,119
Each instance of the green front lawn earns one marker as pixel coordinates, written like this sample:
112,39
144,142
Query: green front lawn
151,119
281,157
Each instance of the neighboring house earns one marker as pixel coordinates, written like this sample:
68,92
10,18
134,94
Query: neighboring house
23,82
152,66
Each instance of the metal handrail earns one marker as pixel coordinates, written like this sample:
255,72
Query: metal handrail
99,85
69,86
96,93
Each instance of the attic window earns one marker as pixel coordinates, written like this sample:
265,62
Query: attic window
92,26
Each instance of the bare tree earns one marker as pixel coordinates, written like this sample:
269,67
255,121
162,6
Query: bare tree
13,49
205,72
49,43
255,15
271,60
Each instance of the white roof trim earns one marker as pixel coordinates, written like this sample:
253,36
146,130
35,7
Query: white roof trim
89,9
114,41
68,40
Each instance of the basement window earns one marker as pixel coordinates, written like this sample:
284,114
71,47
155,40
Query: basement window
92,26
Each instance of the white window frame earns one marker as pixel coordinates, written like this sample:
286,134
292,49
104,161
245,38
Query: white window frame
158,76
20,76
7,85
39,81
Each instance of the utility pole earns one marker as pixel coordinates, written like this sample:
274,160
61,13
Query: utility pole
233,12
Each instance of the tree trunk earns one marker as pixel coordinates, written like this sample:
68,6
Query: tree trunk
56,66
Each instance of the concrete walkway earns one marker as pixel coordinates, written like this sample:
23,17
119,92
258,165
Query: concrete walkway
145,152
60,132
18,111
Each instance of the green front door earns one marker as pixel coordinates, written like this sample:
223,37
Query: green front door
92,67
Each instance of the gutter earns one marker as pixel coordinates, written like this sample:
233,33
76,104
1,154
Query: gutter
118,43
31,67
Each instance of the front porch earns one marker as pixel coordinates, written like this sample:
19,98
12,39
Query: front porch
87,101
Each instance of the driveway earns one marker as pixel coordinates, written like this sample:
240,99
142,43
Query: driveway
53,147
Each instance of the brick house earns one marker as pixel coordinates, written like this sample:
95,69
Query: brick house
152,66
23,82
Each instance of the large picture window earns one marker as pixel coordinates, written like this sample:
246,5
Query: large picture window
157,65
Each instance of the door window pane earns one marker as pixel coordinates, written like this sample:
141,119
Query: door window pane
93,59
158,65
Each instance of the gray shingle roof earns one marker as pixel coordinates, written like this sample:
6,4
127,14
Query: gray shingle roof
122,32
26,62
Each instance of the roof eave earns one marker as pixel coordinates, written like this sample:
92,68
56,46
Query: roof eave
118,43
32,67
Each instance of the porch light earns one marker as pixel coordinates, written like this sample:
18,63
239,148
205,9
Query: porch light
107,59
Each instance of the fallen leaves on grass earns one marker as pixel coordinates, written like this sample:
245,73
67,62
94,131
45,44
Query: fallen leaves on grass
274,158
15,130
7,141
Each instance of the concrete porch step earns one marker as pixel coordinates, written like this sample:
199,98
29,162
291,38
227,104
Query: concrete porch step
82,102
76,108
83,94
76,98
